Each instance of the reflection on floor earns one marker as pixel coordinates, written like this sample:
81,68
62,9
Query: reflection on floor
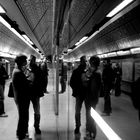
123,120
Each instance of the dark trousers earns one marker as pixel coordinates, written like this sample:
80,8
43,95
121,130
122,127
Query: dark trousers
90,123
1,106
45,83
78,106
2,99
23,118
63,84
117,87
36,106
107,99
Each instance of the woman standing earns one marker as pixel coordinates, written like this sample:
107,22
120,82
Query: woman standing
93,77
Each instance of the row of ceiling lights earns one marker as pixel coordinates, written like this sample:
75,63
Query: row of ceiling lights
14,28
117,9
113,54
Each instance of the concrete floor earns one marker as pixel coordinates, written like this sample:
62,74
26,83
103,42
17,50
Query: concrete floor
123,120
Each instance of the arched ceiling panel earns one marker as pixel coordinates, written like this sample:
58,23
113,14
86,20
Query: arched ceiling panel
10,43
120,34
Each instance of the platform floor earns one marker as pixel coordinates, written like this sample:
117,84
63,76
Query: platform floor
123,120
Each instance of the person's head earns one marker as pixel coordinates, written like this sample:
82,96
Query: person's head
107,62
32,60
21,61
83,62
94,62
0,61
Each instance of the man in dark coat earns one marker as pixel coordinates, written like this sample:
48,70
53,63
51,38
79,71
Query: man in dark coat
135,95
21,95
78,91
3,77
63,78
45,73
108,80
36,90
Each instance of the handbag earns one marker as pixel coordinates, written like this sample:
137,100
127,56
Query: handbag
10,92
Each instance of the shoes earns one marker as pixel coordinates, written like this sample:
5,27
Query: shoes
27,135
61,92
37,131
76,131
105,114
46,92
90,135
24,138
3,115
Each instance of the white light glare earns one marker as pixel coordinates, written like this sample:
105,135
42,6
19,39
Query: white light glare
27,39
5,23
110,134
135,50
2,9
81,40
119,7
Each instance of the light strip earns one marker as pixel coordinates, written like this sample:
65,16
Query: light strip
27,39
3,54
110,134
2,9
5,23
83,39
135,50
119,7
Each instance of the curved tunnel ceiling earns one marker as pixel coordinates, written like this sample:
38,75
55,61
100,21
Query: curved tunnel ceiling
46,21
122,33
11,44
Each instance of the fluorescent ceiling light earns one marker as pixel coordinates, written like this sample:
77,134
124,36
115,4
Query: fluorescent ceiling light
123,52
3,54
83,39
69,50
135,50
110,134
2,9
5,23
27,39
77,43
112,54
119,7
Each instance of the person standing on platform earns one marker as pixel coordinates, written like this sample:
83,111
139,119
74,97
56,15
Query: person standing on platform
45,70
78,91
93,79
21,95
3,77
36,90
108,80
63,78
118,77
135,95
